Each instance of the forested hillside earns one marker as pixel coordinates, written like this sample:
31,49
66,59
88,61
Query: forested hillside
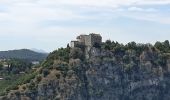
23,54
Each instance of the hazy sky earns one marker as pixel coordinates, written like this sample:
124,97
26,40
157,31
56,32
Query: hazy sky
49,24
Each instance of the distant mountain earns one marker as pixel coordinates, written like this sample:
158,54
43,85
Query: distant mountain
38,50
25,54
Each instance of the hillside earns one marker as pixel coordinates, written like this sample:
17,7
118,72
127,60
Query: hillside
23,54
113,71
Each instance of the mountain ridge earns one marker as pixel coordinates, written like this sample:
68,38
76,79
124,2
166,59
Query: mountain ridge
39,50
26,54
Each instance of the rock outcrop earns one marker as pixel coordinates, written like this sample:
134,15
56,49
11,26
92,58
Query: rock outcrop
104,77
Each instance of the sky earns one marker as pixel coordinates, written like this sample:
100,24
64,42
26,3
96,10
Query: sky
51,24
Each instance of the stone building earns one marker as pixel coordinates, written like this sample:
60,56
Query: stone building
87,41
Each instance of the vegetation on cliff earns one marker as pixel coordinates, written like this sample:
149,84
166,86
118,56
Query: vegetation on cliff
124,67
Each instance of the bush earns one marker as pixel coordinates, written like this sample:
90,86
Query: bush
24,87
31,86
58,75
108,45
126,59
3,94
62,66
8,78
45,72
129,67
38,78
12,87
15,88
17,93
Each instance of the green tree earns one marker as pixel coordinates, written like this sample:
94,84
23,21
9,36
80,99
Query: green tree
166,43
158,45
166,46
107,45
132,45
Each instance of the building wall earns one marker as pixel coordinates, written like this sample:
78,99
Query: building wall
82,39
74,43
88,40
95,38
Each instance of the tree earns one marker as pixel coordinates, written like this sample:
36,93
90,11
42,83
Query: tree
166,43
158,45
164,46
107,45
109,42
68,46
132,45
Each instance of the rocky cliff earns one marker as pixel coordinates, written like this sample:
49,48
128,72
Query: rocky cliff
106,75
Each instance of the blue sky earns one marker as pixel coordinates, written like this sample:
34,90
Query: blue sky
50,24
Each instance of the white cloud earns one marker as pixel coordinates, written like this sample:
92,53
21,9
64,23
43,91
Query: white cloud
153,17
142,9
153,2
23,18
31,12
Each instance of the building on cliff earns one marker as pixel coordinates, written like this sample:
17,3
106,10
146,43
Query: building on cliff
88,41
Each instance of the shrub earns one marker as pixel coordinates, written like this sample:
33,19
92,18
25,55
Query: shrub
15,88
3,94
24,87
126,59
31,86
57,75
17,93
99,93
45,72
12,87
38,78
129,67
8,78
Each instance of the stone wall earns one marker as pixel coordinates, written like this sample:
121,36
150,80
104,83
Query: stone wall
88,40
95,38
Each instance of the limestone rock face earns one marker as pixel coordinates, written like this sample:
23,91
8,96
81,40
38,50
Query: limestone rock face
104,78
168,65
